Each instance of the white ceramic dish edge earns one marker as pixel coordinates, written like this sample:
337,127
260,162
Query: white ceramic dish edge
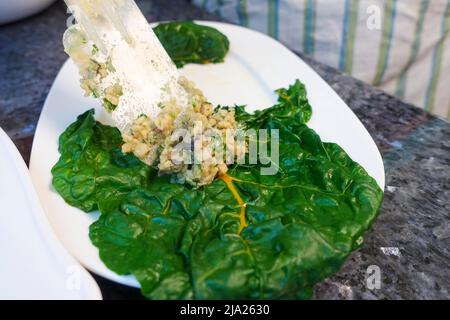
35,233
11,11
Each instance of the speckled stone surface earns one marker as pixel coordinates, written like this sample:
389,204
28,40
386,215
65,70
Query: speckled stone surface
410,241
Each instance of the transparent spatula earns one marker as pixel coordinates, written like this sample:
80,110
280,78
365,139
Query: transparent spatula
135,67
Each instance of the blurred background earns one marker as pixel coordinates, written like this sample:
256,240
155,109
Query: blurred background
401,46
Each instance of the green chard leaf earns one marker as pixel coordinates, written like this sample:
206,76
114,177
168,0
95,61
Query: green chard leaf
246,235
292,108
187,42
92,165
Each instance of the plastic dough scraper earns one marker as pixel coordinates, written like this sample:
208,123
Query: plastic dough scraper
132,63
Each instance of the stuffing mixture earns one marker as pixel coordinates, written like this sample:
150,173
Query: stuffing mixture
194,144
92,68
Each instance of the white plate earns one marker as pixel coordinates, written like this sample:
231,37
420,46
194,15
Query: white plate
254,68
34,265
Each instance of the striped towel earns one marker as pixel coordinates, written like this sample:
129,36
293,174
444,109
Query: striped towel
400,46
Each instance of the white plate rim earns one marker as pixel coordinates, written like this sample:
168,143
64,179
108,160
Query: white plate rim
42,229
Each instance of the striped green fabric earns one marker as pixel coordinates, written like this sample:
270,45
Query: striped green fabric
437,61
348,35
241,9
400,46
401,83
309,27
385,46
273,18
219,6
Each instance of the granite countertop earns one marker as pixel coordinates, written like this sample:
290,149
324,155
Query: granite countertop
410,241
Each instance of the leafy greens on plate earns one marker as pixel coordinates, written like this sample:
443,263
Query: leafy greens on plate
180,242
244,236
188,42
